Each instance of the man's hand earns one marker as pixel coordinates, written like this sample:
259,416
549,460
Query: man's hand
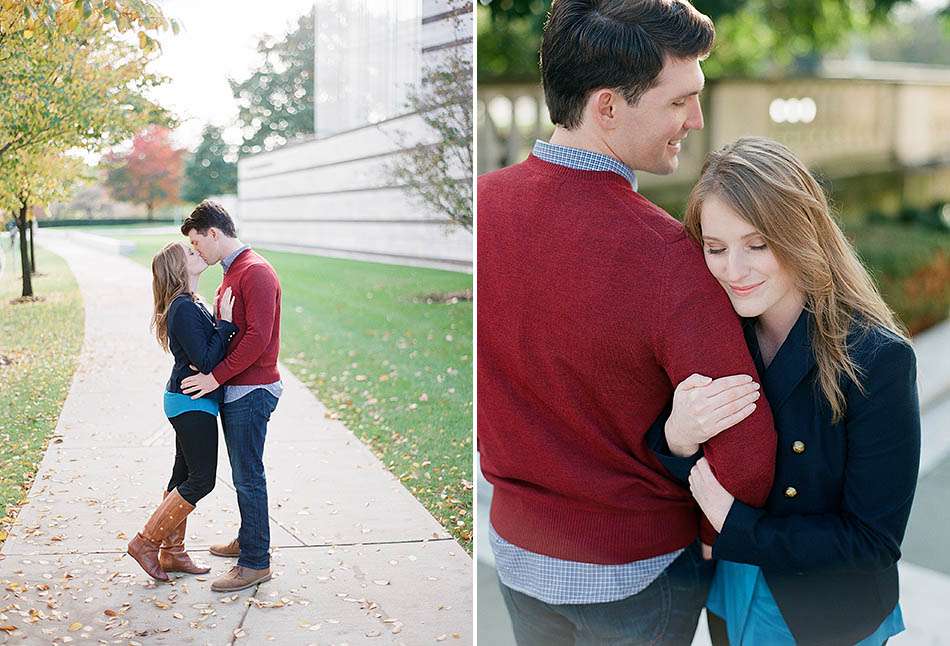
198,385
712,497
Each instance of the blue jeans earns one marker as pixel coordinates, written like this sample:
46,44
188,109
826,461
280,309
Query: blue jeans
245,427
664,613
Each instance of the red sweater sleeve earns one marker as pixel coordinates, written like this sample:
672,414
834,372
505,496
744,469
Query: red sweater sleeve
697,331
259,291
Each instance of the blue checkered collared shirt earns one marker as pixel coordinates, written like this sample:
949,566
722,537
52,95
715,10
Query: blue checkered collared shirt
580,159
550,579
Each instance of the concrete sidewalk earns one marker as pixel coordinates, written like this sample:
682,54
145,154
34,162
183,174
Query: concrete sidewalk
356,558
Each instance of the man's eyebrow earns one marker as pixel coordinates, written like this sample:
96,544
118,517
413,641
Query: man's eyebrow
689,94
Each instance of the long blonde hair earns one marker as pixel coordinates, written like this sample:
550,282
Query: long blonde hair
768,187
169,279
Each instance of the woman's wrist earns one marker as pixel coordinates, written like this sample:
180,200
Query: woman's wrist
678,448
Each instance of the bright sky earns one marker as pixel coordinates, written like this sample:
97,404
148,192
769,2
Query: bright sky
217,40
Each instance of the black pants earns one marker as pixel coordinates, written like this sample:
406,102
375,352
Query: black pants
196,454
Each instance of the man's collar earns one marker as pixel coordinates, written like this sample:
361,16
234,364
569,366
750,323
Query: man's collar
582,159
230,258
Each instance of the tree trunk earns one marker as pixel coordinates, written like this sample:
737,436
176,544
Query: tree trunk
150,209
32,254
24,253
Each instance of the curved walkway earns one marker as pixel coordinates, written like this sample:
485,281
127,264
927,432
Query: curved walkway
356,558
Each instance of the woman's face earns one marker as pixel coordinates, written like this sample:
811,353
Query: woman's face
738,257
194,264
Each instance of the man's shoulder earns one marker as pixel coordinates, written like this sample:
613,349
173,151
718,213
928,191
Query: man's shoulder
256,268
502,176
251,261
656,235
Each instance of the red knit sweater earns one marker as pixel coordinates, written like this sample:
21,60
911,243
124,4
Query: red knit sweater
592,305
252,353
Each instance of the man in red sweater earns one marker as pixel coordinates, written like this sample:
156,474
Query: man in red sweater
251,382
593,305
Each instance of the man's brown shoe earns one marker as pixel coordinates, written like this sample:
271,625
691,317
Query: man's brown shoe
228,550
240,577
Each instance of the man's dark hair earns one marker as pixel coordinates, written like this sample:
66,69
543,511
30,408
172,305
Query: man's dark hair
617,44
206,215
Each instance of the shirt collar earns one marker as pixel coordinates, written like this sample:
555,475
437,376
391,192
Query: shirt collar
227,260
581,159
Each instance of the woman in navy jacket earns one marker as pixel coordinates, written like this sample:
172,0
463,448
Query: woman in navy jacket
198,343
817,564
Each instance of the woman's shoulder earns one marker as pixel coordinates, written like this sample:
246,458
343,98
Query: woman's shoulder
183,303
875,348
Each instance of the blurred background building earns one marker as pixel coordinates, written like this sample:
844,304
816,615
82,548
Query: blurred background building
334,193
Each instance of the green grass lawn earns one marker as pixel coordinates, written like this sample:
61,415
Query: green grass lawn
39,346
394,368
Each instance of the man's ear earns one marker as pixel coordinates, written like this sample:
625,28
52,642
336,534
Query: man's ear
213,233
601,107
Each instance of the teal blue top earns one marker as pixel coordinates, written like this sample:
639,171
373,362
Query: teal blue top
741,596
177,403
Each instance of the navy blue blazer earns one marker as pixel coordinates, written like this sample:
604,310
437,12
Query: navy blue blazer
195,339
829,537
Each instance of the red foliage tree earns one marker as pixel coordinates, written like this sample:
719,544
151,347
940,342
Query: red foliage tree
150,173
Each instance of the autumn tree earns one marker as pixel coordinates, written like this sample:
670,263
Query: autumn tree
69,76
40,176
150,173
276,100
438,170
209,171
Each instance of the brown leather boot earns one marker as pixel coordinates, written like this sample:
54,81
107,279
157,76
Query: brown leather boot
232,549
172,557
145,546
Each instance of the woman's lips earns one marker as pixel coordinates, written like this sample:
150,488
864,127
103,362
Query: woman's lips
744,290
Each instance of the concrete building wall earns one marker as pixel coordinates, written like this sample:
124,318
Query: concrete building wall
333,195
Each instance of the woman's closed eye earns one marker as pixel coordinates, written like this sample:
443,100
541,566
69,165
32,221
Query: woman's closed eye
715,251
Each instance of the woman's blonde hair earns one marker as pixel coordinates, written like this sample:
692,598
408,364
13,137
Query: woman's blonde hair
767,186
169,279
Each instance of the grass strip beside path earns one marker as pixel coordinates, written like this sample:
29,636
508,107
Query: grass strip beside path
396,369
40,343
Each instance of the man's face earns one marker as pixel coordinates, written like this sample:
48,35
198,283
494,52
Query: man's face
206,245
649,135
